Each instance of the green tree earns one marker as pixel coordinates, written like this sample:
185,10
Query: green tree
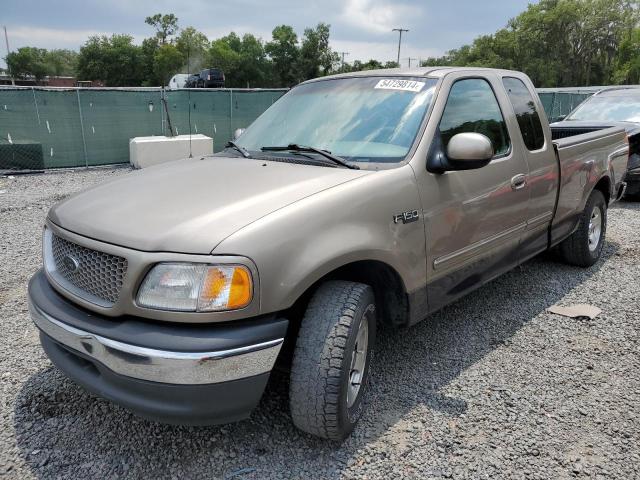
243,61
165,25
222,55
115,60
28,61
61,62
316,57
193,46
284,52
254,69
148,51
166,63
556,42
627,63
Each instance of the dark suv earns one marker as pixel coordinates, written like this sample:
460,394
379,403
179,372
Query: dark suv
210,78
192,81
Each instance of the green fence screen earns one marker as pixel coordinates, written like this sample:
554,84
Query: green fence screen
559,102
53,128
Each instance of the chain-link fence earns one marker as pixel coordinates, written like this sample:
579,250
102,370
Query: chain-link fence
559,102
51,128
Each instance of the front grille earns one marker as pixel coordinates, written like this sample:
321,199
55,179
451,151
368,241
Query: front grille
91,273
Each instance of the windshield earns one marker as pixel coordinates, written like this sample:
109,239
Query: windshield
609,108
373,119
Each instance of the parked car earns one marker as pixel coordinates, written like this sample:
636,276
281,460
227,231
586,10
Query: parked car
211,78
178,81
615,106
192,81
354,200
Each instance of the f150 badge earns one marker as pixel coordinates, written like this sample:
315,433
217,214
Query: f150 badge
406,217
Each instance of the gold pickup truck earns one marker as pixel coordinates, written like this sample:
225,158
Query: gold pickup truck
354,200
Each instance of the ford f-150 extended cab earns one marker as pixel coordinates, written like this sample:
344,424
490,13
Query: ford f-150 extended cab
353,200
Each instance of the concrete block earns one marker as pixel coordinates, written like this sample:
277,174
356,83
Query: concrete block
148,151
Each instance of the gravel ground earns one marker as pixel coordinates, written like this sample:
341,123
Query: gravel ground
490,387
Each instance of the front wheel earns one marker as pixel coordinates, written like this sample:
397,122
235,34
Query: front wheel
584,247
331,362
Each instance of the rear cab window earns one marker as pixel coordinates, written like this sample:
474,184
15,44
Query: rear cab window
526,113
472,107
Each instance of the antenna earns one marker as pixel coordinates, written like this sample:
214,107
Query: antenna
189,94
6,41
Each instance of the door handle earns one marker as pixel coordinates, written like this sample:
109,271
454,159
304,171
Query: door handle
518,182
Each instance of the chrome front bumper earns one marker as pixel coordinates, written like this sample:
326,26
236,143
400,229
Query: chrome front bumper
172,367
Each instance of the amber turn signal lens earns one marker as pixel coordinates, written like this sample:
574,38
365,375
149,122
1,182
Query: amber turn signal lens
240,294
225,288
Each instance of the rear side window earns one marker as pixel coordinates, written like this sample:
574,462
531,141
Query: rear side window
526,113
472,107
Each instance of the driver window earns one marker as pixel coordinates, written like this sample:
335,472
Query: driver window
472,107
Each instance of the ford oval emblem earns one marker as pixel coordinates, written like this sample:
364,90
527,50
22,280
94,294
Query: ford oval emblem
70,263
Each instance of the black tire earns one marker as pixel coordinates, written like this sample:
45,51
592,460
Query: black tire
577,250
322,360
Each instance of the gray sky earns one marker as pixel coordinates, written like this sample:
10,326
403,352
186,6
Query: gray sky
361,27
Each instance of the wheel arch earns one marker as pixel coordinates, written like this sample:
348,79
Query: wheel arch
604,186
388,287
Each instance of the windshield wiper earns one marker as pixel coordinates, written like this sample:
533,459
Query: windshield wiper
294,147
243,151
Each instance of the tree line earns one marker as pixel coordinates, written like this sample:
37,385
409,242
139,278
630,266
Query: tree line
562,43
556,42
247,61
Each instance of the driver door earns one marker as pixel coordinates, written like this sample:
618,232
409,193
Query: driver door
474,218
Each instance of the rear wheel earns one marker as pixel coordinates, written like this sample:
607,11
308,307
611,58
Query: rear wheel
584,247
331,362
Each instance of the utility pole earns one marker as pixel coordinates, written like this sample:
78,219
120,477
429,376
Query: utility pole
6,41
343,54
410,58
399,30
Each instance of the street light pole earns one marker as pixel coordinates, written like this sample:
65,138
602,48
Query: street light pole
399,30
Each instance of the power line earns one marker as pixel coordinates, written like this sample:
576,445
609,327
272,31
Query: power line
343,54
399,30
412,58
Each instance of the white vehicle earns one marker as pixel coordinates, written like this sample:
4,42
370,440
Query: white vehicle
178,81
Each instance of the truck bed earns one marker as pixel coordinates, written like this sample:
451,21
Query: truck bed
580,153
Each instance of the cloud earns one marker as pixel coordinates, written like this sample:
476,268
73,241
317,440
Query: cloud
377,16
361,27
27,35
54,38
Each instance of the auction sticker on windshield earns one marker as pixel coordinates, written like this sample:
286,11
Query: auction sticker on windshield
395,84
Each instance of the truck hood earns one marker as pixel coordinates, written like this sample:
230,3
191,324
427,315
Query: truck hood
191,205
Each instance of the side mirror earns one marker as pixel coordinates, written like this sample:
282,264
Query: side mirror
238,132
465,151
470,149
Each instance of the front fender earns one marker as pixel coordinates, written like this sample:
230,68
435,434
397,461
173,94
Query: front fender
296,246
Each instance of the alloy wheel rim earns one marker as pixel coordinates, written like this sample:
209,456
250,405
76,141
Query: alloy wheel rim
358,361
595,229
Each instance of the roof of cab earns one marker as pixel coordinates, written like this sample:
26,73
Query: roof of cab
436,72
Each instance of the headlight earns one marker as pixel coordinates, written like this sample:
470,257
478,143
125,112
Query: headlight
191,287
